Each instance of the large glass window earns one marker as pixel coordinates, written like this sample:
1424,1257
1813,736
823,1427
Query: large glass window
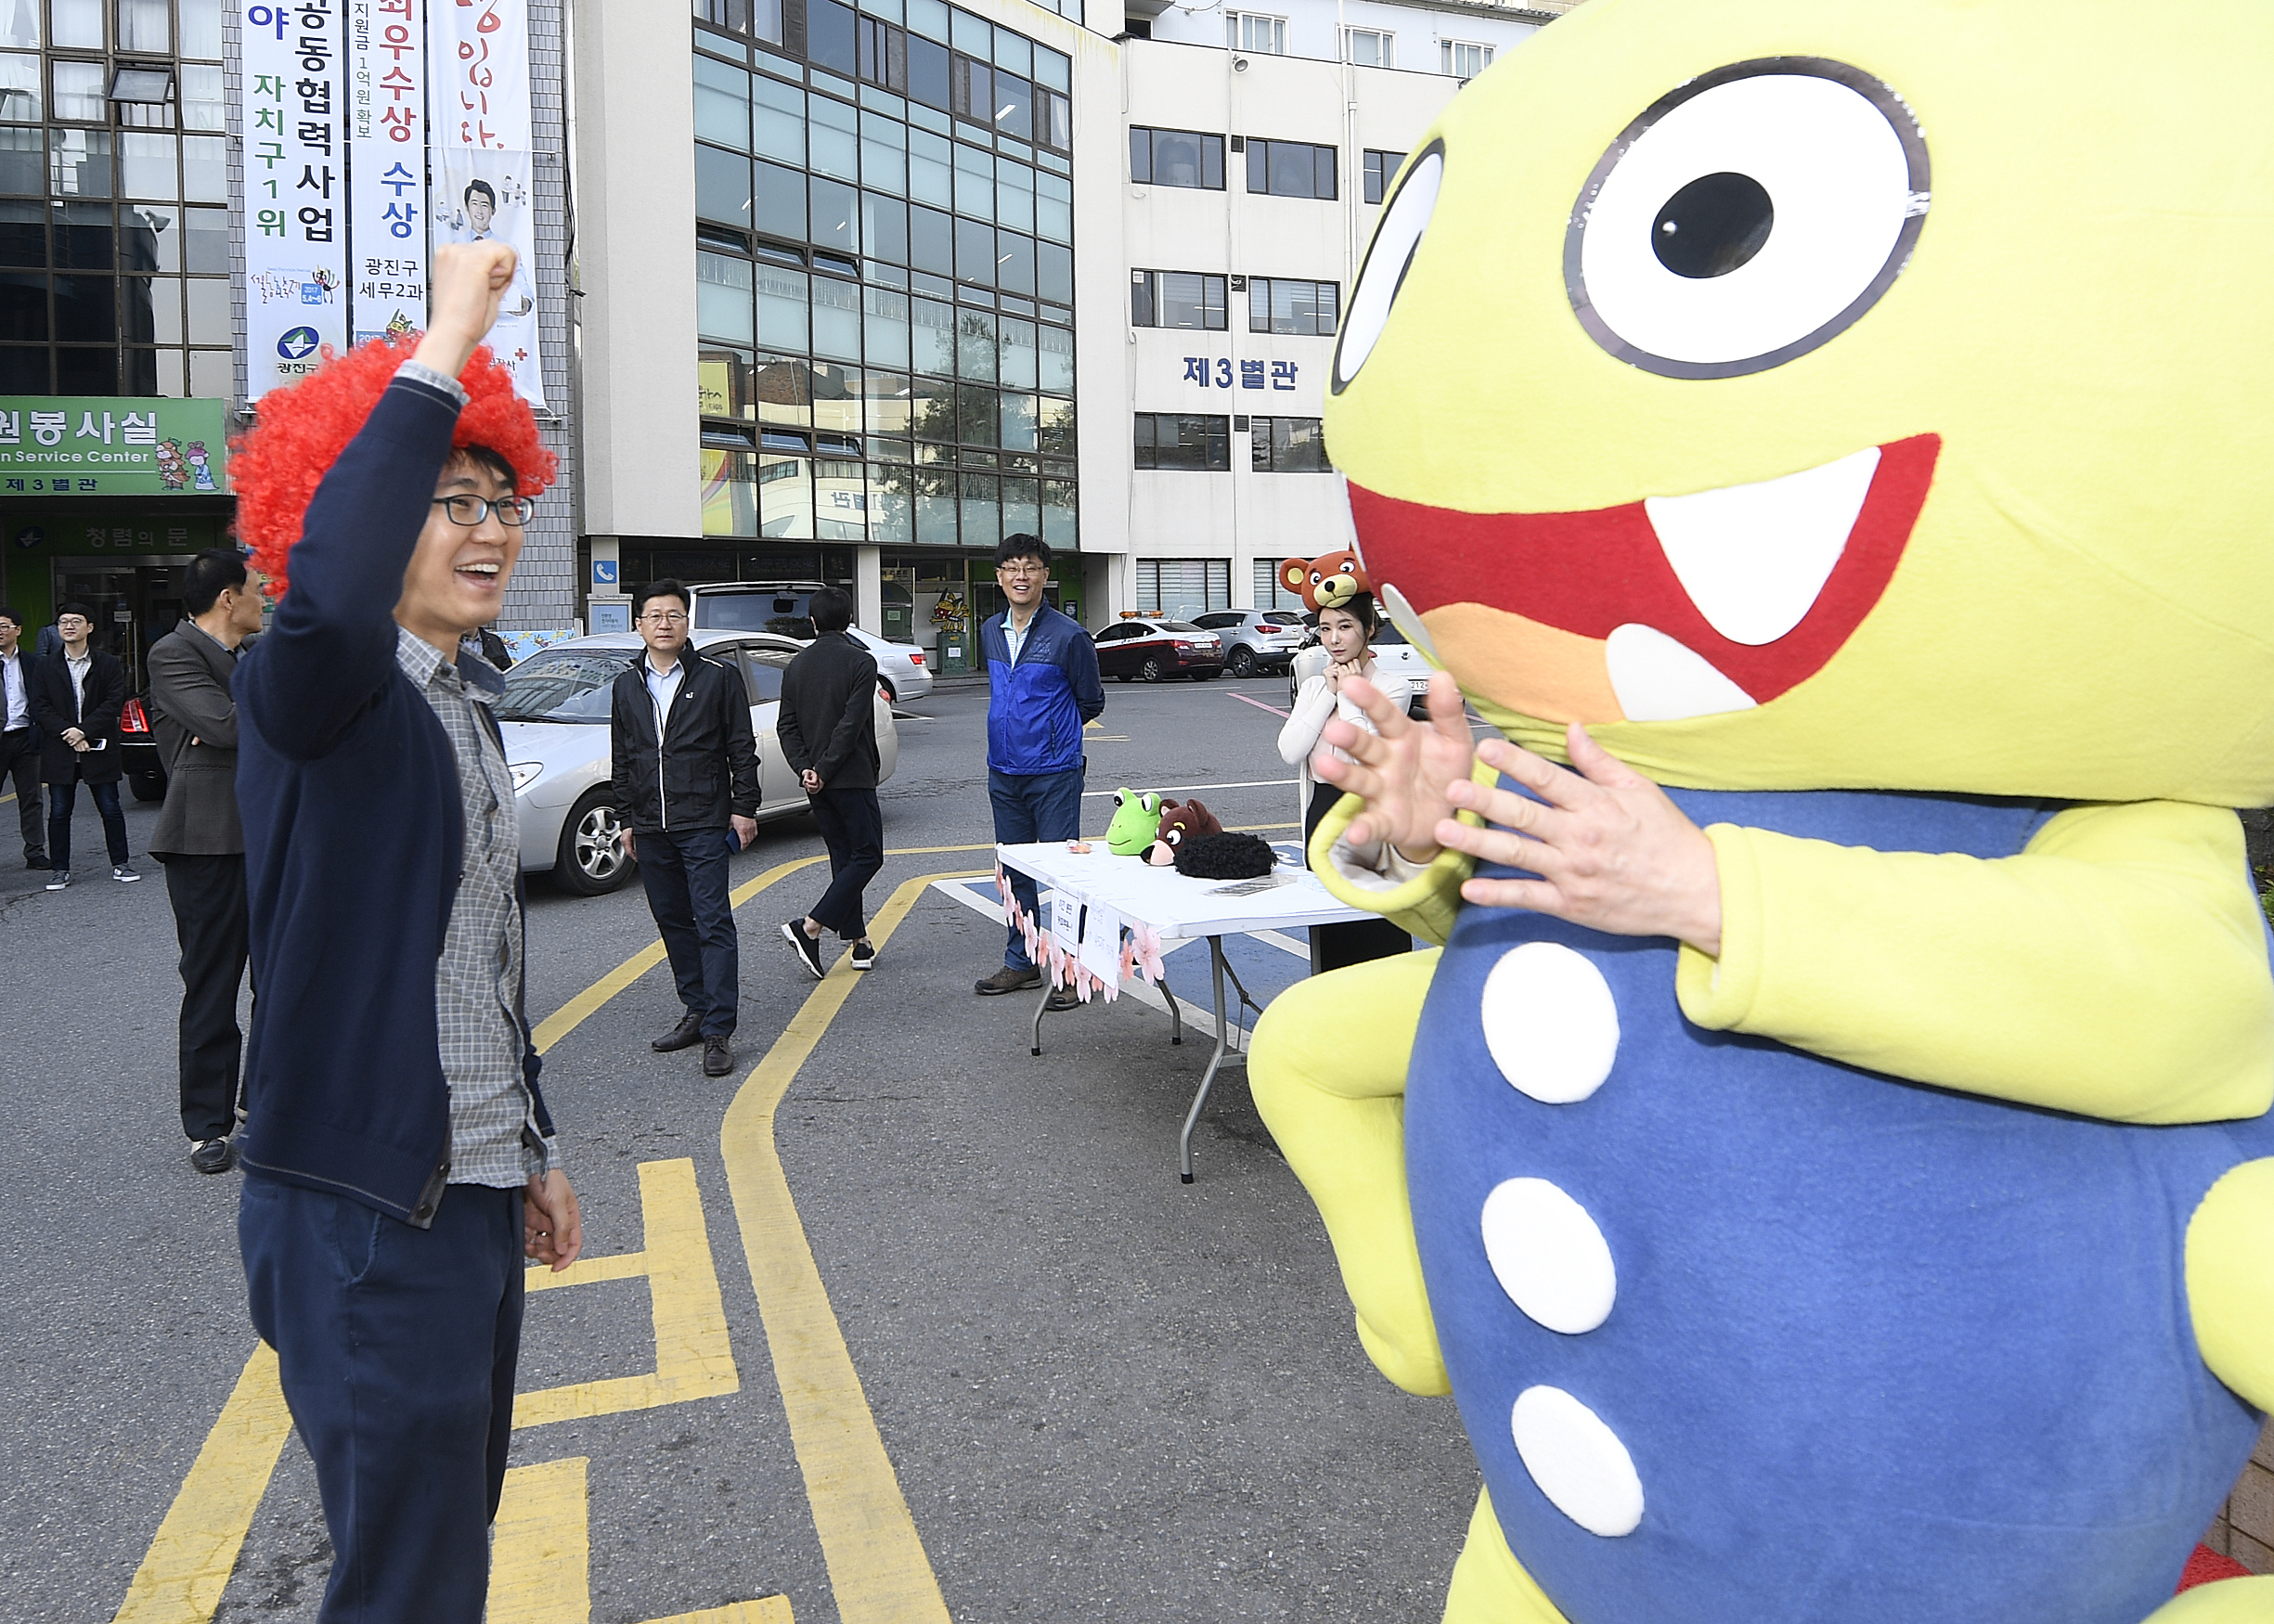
1189,300
1381,169
1177,589
1369,47
885,289
1278,305
1169,439
1176,158
1290,169
1267,36
1287,445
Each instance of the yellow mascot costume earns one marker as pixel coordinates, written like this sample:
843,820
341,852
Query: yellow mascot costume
1829,1161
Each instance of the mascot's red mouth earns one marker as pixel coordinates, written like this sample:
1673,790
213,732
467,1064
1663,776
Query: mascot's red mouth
1709,602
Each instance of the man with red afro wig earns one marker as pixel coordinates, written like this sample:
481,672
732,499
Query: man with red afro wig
399,1159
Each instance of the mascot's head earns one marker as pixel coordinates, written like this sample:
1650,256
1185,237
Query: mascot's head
1136,819
1181,823
1800,397
1325,582
303,428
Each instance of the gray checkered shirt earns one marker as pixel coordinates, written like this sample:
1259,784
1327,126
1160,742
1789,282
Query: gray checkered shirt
478,977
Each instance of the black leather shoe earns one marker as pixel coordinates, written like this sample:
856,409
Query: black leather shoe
1008,980
718,1057
686,1034
36,860
213,1156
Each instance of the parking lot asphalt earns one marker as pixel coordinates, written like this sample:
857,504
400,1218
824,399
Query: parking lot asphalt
894,1305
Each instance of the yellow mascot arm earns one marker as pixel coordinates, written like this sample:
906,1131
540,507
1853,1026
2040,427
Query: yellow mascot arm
1424,898
2117,968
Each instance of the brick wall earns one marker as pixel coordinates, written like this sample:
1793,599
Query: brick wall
2245,1529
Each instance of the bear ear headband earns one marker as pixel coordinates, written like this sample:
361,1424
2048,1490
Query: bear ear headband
1328,582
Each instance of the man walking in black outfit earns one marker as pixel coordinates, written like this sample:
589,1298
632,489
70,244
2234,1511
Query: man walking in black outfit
685,772
828,731
77,694
19,739
201,840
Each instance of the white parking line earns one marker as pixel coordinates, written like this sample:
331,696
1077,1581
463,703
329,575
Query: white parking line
1181,789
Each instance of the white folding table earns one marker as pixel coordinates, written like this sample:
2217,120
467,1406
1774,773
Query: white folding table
1108,891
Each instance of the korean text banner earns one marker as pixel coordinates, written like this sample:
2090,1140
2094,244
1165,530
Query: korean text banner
386,127
478,53
295,194
87,445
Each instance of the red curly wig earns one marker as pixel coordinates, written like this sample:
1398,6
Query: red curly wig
276,468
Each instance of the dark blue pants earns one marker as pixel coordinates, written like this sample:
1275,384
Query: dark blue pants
106,798
686,879
19,765
1032,807
852,827
396,1347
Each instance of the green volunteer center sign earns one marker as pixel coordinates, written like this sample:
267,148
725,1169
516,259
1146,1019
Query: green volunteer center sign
86,445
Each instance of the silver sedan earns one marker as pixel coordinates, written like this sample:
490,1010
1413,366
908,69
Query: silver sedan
555,721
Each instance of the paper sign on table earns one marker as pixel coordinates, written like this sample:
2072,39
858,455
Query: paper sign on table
1065,920
1101,945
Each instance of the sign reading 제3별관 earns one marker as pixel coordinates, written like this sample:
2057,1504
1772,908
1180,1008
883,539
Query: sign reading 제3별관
84,445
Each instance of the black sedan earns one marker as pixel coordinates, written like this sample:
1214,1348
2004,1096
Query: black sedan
1154,649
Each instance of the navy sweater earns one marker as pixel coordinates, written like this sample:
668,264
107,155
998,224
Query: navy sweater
352,838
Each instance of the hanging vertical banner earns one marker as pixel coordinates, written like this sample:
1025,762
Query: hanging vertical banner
295,195
478,56
386,166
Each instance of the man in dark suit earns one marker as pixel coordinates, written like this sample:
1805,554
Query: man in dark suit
686,773
200,839
19,739
76,697
827,725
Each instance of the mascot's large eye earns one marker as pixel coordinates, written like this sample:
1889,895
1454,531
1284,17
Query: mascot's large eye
1746,218
1387,261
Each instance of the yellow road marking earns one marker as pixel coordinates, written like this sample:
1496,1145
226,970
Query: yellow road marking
189,1563
195,1550
877,1566
541,1560
769,1610
694,1358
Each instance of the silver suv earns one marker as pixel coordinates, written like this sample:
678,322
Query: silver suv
1255,639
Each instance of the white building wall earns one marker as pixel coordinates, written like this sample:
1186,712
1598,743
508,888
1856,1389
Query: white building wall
1311,26
1244,516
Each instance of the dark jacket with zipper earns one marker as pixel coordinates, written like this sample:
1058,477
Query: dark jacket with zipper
702,767
828,717
55,705
348,790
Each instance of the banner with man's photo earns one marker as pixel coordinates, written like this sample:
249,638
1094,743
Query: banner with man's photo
351,108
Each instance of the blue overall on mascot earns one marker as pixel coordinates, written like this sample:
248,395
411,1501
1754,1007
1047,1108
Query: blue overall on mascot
1835,1185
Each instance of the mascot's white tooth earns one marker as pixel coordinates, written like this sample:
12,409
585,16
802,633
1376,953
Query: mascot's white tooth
1401,615
1658,679
1753,558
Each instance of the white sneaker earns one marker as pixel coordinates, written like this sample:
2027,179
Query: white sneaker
59,880
123,874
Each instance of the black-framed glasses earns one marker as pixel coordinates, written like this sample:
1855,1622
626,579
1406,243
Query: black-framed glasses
467,511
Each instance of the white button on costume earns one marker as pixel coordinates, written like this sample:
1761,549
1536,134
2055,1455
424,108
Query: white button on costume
1552,1026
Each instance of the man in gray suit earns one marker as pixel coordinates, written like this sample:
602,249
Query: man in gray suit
199,839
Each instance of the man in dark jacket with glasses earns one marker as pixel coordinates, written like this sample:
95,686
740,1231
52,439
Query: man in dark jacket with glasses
686,778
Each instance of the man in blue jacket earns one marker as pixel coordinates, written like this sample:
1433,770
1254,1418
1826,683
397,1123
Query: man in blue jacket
1042,686
400,1161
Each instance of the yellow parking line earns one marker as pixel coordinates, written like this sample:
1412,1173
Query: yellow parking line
541,1563
189,1563
190,1558
877,1566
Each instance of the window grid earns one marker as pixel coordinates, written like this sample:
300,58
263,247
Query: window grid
114,238
1199,444
1183,589
1270,594
1290,169
1176,158
1287,445
884,291
1368,47
1264,36
1462,60
1381,169
1276,304
1192,301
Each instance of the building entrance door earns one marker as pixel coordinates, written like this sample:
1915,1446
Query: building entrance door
136,601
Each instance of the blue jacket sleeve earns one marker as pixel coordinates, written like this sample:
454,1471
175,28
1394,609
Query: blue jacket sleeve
332,643
1080,662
